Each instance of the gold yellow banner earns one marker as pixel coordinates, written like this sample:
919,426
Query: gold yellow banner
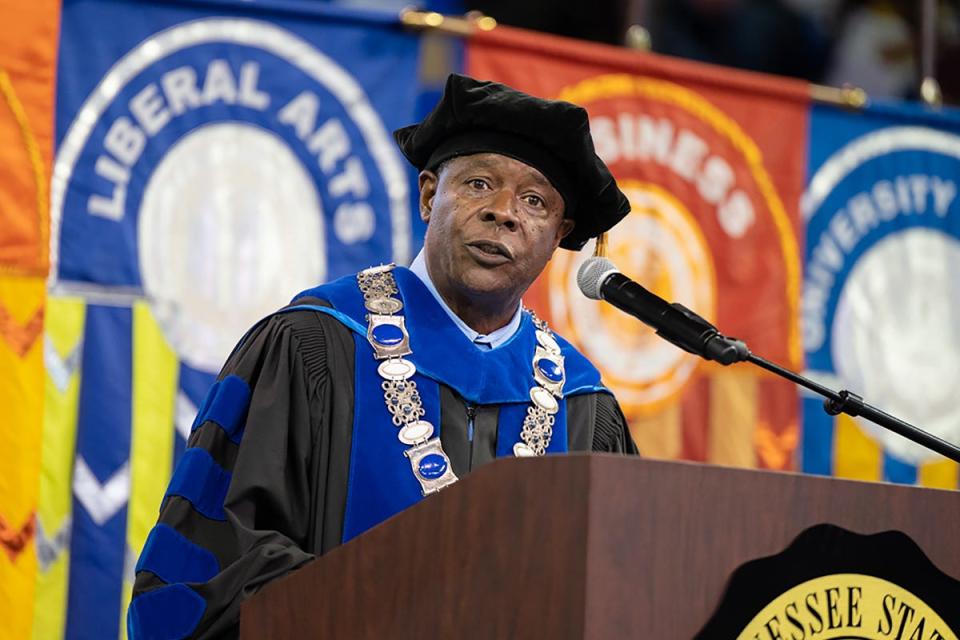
28,41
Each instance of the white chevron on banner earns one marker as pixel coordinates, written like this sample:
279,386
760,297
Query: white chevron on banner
185,413
60,369
129,564
50,548
101,501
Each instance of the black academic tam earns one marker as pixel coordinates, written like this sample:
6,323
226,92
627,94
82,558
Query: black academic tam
553,136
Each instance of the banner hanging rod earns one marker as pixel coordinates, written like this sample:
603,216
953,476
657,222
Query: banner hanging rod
846,97
455,25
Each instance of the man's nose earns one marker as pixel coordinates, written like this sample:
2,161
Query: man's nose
502,209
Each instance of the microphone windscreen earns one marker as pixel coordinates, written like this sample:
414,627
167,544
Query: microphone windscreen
591,275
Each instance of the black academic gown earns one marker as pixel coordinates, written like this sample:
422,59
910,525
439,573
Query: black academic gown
289,472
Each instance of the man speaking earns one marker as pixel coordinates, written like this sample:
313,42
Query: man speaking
371,392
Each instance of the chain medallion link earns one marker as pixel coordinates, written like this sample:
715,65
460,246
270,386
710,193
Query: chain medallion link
430,464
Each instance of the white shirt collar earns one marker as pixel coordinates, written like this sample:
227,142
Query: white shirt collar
494,338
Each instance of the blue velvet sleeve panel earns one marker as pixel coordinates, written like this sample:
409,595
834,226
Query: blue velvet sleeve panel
238,509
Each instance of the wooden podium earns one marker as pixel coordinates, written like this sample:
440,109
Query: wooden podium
580,546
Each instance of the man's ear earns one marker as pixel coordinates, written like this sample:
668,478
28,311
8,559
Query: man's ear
428,181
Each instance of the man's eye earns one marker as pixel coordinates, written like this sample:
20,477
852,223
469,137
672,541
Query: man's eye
535,201
477,183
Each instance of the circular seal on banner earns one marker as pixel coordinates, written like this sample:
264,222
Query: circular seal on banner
219,198
706,225
217,168
880,297
666,251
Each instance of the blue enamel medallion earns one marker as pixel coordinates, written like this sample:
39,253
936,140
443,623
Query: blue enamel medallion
432,466
550,370
387,334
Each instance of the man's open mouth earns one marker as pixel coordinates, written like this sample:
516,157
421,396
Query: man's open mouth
491,248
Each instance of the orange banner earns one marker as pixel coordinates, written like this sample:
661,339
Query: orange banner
28,45
713,163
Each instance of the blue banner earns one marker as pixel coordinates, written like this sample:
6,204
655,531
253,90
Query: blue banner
212,159
881,305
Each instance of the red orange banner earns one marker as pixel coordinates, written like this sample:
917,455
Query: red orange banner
714,188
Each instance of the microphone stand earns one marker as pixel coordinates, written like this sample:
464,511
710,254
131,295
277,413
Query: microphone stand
853,405
685,329
844,401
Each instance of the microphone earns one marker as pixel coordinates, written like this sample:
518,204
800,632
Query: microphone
598,278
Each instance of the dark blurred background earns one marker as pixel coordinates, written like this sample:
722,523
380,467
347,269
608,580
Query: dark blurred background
872,44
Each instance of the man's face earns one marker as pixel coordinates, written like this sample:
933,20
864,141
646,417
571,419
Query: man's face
492,224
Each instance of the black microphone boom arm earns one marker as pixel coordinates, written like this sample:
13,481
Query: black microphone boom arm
688,331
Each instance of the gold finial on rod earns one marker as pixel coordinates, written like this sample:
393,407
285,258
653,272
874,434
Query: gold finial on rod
455,25
638,38
930,92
